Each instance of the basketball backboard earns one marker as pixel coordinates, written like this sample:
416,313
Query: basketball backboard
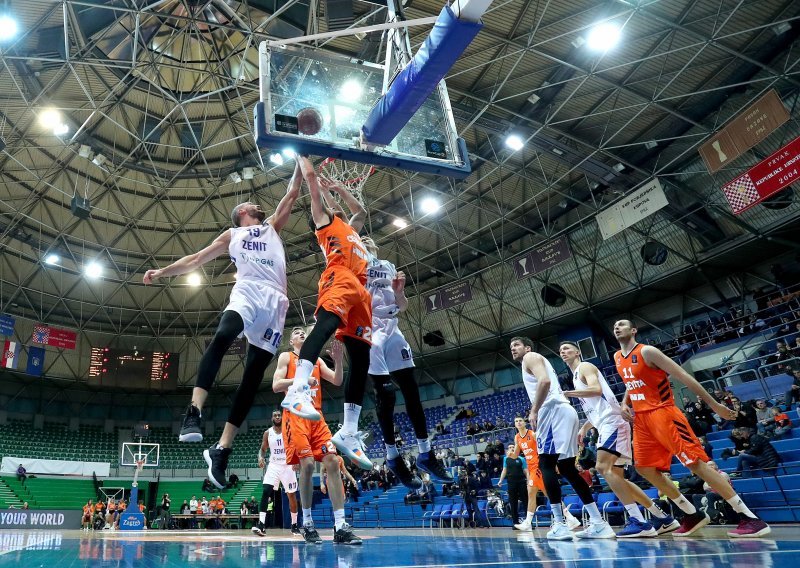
135,452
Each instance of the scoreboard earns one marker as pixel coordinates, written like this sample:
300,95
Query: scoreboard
133,368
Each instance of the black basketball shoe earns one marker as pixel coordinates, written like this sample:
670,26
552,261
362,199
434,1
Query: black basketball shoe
258,529
398,467
345,535
192,427
428,462
296,529
311,535
217,460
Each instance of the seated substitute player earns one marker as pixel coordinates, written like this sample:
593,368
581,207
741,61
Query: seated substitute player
257,307
556,424
391,365
307,441
614,450
343,306
525,444
278,473
661,431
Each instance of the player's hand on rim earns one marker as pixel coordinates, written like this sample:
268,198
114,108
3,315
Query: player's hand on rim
399,282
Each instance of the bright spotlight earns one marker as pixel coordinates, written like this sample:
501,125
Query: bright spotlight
429,205
60,129
515,142
400,223
288,153
194,279
276,159
50,118
8,27
93,270
351,91
52,258
603,37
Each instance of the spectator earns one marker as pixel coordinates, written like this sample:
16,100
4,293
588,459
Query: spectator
745,415
781,354
764,421
472,429
25,506
795,348
597,485
22,474
88,512
793,394
468,488
495,465
193,505
488,426
166,517
715,506
585,474
706,445
691,485
185,508
220,509
482,464
587,458
516,471
484,483
783,425
252,505
244,510
758,454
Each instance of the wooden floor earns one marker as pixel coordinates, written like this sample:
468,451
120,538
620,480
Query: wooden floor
400,548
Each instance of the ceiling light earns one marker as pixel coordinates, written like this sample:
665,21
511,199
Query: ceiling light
650,144
276,159
8,27
534,98
429,205
99,160
60,129
618,167
51,258
85,151
288,153
235,177
194,279
558,151
782,28
50,118
515,142
248,173
577,42
603,37
351,90
400,223
93,270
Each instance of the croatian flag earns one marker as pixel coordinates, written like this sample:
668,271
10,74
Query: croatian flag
10,355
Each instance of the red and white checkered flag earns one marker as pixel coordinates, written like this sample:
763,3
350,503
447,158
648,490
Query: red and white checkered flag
741,193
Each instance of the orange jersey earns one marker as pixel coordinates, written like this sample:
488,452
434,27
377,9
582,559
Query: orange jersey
313,382
527,446
648,388
87,509
343,248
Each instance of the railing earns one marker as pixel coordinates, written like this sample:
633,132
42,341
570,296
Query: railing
761,375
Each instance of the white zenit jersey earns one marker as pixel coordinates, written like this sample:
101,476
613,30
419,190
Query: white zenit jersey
380,274
598,409
554,395
258,254
277,453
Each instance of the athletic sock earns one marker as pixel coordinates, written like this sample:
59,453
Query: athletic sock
303,370
294,518
307,518
262,517
424,445
351,413
656,511
739,506
594,513
684,505
633,511
529,517
391,452
558,513
338,518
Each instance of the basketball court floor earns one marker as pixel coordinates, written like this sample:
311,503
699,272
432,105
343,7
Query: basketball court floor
397,548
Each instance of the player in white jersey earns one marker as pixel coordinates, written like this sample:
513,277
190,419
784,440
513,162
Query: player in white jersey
614,449
556,425
257,307
391,365
278,473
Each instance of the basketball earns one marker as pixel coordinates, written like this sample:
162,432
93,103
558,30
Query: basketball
309,121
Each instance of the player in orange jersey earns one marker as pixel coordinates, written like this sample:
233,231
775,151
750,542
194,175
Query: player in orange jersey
344,306
307,441
525,444
661,431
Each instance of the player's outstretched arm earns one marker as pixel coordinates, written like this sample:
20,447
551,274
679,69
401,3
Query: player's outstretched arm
332,204
192,261
399,288
359,213
284,208
334,377
319,212
590,375
279,381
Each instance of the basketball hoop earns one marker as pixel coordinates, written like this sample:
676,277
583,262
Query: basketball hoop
351,175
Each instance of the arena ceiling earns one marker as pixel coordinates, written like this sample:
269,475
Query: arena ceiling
158,99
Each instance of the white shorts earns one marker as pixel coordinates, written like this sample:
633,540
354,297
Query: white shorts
557,431
281,474
263,310
615,437
389,352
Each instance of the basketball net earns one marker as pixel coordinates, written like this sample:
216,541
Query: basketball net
351,175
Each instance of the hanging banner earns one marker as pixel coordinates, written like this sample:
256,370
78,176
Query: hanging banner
541,258
6,324
631,209
61,338
448,297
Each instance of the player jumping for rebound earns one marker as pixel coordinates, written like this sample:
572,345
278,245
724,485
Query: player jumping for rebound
278,473
257,307
391,361
661,431
556,424
343,306
614,444
307,441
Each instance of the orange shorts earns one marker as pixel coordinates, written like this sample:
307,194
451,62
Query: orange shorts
662,433
341,293
535,478
305,438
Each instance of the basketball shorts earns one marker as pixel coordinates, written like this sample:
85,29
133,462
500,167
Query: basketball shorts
535,478
341,293
278,474
263,310
557,430
304,438
615,437
662,433
390,352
